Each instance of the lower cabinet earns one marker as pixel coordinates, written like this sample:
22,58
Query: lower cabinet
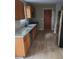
34,33
27,43
19,47
22,46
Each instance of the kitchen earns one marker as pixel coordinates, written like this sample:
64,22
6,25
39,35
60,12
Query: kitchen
30,27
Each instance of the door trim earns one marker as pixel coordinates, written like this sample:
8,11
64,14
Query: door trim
52,18
60,27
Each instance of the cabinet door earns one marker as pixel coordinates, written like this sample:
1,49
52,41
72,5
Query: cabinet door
28,11
27,43
19,47
34,33
19,10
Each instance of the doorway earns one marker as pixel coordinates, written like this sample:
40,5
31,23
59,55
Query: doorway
47,19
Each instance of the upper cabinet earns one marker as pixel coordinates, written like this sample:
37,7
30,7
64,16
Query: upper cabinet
29,11
19,10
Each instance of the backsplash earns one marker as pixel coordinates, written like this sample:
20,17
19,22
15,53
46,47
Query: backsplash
20,23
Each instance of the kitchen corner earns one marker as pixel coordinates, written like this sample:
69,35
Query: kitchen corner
24,36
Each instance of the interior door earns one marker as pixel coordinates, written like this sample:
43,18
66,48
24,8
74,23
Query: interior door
47,19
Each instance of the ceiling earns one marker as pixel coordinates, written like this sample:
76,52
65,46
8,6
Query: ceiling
44,1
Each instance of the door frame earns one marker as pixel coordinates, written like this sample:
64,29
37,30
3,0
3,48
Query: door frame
52,18
60,27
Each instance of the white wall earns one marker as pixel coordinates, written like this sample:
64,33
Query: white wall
20,23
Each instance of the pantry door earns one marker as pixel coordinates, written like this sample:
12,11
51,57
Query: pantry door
47,19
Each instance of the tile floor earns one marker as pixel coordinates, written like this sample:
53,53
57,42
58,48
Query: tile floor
44,47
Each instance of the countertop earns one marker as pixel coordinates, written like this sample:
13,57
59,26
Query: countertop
24,30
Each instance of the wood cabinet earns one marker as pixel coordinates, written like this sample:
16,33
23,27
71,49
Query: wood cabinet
34,33
29,11
19,47
22,46
27,43
19,10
